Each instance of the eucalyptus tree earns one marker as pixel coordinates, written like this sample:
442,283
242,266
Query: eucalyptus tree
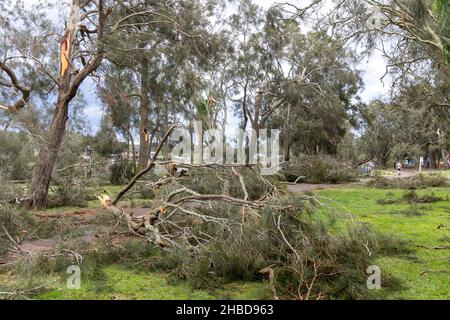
424,120
287,77
164,63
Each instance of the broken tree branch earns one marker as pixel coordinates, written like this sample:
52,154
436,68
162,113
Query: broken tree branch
149,167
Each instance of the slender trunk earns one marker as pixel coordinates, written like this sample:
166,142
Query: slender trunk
133,150
165,149
287,149
144,113
432,157
47,157
286,142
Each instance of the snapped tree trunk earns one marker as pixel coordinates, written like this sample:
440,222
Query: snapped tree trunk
68,88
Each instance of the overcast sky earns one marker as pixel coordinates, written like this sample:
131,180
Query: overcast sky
373,69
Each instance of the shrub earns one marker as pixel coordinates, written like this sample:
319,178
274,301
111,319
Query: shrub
8,191
411,183
121,172
319,169
70,192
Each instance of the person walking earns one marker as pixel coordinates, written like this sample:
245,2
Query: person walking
399,168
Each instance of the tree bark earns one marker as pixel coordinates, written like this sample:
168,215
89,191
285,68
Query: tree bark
144,113
133,149
433,159
286,138
48,155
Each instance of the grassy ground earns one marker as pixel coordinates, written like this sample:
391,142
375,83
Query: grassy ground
417,224
114,282
420,230
122,282
392,172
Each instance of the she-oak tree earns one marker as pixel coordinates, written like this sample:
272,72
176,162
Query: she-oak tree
83,49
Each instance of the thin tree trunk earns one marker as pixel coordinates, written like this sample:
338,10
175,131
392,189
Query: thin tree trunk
432,157
144,113
444,155
133,149
286,142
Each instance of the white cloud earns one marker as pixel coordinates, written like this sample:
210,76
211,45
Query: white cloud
374,68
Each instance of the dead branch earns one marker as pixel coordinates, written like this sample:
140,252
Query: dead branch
23,292
149,167
434,271
273,290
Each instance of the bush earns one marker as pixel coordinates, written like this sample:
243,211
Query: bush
200,181
121,172
319,169
8,191
16,155
71,193
411,183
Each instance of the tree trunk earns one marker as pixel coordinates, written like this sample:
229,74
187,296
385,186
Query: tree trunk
47,157
49,152
144,113
133,149
68,87
286,142
432,157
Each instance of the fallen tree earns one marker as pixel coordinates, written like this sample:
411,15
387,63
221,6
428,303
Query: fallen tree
213,237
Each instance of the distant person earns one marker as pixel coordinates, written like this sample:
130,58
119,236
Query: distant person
398,167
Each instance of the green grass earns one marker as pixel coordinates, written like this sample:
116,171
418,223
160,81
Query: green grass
114,282
392,172
117,282
421,231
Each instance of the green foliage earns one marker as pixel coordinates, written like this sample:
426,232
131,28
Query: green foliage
16,155
201,182
417,182
121,172
336,261
105,142
318,169
70,192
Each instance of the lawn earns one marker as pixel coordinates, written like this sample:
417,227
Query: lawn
419,273
392,172
424,232
115,282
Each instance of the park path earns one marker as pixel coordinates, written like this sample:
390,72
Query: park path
308,187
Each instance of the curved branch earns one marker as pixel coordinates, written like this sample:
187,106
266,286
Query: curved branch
16,86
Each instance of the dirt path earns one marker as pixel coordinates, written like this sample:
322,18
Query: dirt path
308,187
404,174
79,218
